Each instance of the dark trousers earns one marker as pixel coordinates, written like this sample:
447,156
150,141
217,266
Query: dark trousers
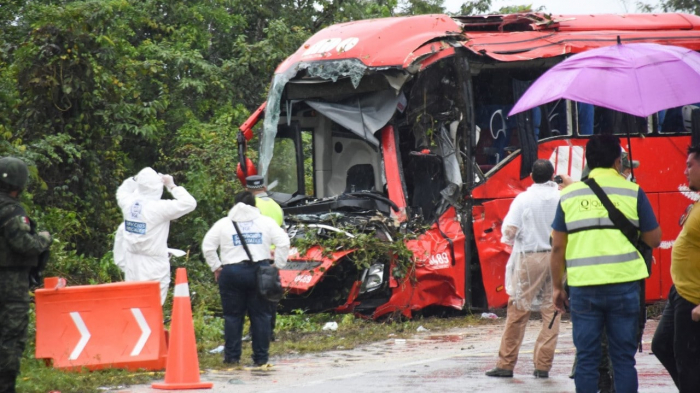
273,318
238,297
676,343
14,320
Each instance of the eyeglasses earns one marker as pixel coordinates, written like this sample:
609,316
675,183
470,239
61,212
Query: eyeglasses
685,215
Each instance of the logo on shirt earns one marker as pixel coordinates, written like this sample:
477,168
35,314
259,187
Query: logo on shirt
136,227
136,209
250,238
594,204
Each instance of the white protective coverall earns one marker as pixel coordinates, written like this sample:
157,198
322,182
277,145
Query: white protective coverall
263,230
118,251
147,224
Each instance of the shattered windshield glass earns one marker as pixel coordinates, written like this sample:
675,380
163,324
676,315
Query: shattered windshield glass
331,70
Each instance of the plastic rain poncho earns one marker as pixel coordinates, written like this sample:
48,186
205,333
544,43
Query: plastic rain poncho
528,275
147,225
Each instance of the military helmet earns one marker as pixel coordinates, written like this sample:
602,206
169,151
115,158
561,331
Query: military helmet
13,173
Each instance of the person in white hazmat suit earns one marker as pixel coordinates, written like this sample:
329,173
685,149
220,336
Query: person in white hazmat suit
118,252
236,273
147,225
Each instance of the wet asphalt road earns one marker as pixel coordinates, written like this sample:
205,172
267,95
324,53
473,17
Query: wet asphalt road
453,361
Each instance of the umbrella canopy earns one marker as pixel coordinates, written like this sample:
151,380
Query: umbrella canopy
639,79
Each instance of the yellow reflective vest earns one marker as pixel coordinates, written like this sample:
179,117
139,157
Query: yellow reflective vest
597,252
270,208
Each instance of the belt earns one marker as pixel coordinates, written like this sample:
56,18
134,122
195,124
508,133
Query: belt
536,252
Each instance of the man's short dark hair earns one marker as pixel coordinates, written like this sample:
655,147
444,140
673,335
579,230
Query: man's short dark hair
694,149
245,197
602,151
542,171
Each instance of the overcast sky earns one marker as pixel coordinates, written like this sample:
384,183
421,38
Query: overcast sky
566,6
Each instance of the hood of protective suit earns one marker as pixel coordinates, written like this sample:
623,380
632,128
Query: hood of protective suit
243,212
149,184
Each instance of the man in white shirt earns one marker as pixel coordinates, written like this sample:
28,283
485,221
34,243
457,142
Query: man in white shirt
527,227
235,273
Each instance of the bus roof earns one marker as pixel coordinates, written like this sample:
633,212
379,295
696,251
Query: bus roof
394,42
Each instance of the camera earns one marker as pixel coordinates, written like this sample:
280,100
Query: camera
558,179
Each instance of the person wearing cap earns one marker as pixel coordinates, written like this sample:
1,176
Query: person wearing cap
22,249
147,225
627,165
268,207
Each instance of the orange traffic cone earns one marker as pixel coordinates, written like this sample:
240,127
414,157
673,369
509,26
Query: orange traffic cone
182,367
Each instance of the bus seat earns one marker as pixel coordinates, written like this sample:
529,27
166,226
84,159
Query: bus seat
360,177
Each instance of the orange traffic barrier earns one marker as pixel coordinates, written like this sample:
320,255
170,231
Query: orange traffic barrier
118,325
182,368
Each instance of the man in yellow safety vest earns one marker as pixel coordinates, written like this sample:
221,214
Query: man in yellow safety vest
603,267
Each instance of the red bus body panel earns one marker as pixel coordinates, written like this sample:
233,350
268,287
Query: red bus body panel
406,41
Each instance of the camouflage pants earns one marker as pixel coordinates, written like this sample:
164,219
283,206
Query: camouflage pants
14,318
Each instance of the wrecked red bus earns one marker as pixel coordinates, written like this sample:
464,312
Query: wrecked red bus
399,126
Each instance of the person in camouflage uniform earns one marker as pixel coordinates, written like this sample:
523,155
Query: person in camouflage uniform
21,249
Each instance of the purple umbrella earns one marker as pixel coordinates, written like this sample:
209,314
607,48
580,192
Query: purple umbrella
639,79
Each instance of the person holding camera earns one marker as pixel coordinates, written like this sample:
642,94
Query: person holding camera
235,273
528,281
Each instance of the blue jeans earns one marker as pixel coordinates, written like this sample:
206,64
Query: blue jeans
614,307
237,287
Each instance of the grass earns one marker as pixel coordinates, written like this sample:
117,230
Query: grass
296,334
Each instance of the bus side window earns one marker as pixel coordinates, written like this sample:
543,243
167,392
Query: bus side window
585,118
676,119
497,133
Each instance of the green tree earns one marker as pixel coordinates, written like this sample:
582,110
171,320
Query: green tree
475,7
520,9
418,7
92,91
687,6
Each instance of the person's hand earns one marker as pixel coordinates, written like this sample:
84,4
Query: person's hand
45,235
560,300
695,314
168,181
217,273
566,180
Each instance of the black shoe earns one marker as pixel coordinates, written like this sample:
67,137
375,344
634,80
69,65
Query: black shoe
500,372
541,374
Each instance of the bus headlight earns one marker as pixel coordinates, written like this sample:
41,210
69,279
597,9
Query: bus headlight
372,278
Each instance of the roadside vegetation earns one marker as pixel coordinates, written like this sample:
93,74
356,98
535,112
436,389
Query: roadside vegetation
297,333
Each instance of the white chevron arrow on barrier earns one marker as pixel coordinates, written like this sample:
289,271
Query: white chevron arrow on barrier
145,331
84,335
